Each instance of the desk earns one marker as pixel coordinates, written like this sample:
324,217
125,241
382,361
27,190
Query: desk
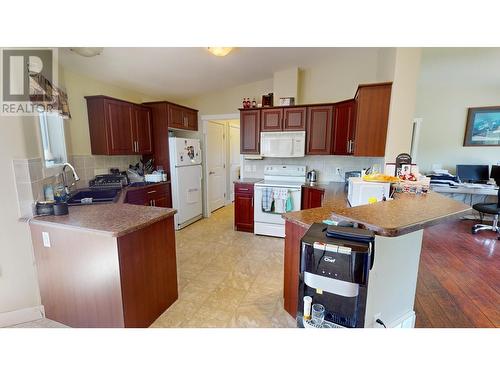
464,189
474,195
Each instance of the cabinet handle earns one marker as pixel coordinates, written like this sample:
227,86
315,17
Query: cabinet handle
243,189
154,202
151,191
252,201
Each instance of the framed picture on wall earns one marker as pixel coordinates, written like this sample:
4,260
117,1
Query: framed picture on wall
483,127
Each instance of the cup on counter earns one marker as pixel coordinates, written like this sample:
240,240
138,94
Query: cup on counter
318,314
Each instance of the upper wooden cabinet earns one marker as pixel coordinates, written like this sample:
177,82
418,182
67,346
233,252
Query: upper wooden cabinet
165,116
182,118
352,127
343,127
372,116
294,119
118,127
271,120
250,131
143,129
319,130
283,119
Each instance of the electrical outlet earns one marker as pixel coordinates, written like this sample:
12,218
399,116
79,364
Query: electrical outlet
46,239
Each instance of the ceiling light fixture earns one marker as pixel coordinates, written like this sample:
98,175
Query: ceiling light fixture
220,51
87,51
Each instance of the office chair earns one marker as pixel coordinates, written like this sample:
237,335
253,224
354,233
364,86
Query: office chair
490,208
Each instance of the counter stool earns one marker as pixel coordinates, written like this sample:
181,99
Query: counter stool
490,208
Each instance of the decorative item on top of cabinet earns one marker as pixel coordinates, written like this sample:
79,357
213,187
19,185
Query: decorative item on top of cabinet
250,131
372,115
267,100
243,207
118,127
319,130
312,197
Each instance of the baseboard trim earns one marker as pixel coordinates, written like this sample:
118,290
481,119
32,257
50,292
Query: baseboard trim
29,314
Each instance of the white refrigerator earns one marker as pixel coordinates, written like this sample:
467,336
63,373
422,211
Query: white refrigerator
186,175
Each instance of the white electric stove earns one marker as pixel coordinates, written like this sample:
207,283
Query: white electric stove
291,177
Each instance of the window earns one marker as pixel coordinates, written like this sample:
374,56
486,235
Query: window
53,140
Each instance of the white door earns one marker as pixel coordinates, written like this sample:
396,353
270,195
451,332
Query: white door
216,165
234,156
189,188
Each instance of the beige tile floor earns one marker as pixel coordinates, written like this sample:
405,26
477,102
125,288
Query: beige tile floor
227,278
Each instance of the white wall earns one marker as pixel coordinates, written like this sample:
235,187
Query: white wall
403,99
451,81
18,284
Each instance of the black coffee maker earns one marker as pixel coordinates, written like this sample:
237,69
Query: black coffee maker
335,263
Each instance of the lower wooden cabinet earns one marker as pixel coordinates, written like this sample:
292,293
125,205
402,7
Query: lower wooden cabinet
158,195
243,207
312,197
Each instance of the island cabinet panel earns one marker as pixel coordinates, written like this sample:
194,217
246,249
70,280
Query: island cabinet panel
294,119
250,132
372,116
271,120
148,273
312,197
319,130
79,277
243,207
291,261
343,128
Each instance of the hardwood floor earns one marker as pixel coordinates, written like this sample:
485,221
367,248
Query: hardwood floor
459,278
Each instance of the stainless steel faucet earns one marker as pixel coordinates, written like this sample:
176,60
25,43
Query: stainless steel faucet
75,177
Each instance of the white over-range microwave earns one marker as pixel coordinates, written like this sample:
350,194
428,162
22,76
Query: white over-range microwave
282,144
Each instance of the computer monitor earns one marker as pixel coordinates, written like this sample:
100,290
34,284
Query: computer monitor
495,173
473,173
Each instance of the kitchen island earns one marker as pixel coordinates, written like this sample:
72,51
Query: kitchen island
106,265
398,225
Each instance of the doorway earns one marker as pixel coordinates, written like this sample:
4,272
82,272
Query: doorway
222,159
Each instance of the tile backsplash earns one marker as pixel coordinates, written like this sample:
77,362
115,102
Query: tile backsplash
324,165
30,179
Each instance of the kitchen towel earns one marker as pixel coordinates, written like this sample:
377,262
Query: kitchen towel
280,196
267,199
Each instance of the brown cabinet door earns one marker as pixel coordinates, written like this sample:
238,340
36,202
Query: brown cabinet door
312,198
137,197
191,119
250,132
143,130
176,117
120,127
372,116
243,212
343,127
294,119
271,120
319,130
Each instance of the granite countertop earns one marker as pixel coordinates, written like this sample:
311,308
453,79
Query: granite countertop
112,219
406,213
247,180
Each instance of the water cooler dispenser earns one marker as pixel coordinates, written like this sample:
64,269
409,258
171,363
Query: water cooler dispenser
335,264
